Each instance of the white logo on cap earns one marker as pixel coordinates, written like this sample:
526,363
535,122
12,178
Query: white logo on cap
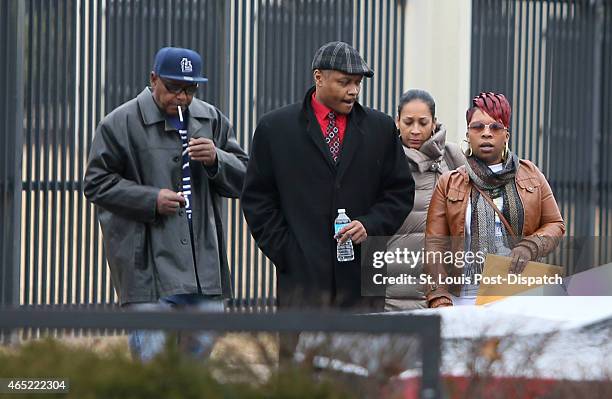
186,65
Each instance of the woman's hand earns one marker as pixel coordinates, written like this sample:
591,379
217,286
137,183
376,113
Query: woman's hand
520,256
439,302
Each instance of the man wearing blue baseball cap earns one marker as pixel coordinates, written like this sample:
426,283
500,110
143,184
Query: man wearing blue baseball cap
158,167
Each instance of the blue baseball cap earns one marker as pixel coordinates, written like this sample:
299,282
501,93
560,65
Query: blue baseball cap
178,63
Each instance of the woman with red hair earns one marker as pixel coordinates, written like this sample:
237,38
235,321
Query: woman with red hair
495,204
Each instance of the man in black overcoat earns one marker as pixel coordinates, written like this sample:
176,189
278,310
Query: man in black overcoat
308,160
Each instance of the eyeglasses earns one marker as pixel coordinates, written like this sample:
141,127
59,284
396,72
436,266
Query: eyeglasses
174,88
494,127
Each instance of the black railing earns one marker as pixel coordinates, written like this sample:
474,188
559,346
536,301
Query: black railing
426,328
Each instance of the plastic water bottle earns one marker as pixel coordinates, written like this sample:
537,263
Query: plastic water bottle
344,251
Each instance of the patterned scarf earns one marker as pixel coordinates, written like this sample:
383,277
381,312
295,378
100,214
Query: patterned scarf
502,184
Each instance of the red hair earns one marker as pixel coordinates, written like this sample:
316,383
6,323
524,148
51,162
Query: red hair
495,105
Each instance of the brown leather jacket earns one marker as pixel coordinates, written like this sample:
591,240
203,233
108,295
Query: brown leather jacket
543,226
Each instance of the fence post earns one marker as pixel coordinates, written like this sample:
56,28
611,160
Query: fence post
597,90
11,106
431,352
12,21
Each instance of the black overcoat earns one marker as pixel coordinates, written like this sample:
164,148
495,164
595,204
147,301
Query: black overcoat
293,190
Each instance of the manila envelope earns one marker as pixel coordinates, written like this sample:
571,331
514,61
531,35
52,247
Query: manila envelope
498,287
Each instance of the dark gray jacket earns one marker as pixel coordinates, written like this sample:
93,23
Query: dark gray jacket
133,155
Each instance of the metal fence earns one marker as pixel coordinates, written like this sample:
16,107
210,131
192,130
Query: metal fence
67,63
426,328
553,60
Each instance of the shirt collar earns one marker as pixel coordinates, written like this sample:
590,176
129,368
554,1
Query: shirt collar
320,110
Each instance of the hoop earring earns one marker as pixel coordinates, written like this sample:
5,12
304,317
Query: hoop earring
505,153
469,154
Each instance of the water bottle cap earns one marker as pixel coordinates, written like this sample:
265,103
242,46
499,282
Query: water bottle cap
341,210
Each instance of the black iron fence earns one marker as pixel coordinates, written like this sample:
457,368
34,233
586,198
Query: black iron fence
553,60
67,63
426,328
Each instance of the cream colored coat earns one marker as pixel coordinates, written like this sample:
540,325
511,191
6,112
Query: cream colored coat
427,164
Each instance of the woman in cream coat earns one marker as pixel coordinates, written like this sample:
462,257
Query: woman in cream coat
429,155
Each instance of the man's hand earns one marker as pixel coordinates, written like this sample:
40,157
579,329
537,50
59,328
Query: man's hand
353,231
168,202
520,256
203,150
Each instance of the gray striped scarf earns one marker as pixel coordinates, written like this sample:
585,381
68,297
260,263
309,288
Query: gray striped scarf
482,226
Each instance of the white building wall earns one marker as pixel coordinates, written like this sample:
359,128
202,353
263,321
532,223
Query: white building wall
437,47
